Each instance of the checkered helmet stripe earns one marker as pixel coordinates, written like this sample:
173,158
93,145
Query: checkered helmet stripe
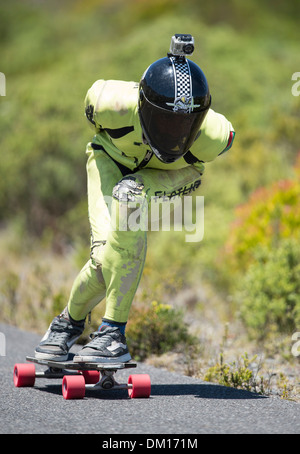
183,80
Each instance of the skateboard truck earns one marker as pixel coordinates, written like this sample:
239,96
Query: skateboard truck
77,377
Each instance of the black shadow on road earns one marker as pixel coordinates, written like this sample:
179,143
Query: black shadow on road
204,391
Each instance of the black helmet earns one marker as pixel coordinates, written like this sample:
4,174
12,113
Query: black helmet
174,99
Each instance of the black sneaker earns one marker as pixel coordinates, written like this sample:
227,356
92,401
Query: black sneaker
106,346
61,335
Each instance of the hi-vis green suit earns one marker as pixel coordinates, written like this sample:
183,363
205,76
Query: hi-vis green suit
122,169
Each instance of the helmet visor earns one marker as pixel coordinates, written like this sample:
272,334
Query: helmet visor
169,134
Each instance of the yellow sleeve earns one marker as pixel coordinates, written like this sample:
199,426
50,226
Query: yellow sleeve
215,138
91,101
111,103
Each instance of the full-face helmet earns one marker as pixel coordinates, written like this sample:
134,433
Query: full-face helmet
174,99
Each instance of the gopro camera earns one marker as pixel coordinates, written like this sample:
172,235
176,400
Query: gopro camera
181,45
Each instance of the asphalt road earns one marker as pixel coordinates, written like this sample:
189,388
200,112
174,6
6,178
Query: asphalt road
178,405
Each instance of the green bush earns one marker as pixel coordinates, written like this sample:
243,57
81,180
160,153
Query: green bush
237,375
272,213
155,330
270,291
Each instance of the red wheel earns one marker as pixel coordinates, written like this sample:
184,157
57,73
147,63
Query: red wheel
91,377
24,375
73,387
140,385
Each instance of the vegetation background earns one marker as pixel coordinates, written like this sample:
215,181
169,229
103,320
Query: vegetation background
236,291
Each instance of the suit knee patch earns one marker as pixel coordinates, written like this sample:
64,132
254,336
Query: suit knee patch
129,189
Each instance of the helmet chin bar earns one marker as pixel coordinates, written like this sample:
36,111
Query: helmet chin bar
155,150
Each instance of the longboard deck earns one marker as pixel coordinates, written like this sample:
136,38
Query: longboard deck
70,365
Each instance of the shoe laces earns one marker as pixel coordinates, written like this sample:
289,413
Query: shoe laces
102,338
61,330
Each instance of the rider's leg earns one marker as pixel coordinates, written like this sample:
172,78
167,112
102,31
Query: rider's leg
89,287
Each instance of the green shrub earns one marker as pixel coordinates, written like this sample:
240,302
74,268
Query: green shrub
237,375
155,330
270,291
272,213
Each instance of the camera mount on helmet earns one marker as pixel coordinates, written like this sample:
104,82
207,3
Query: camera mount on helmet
181,45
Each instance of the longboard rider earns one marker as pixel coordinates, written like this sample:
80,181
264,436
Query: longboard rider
151,138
